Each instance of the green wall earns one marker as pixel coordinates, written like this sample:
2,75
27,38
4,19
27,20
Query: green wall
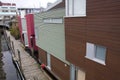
50,36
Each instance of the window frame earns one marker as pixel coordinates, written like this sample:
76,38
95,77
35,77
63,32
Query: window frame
92,55
96,46
53,20
73,15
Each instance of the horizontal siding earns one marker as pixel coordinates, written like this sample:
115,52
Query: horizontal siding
101,26
51,36
59,68
42,56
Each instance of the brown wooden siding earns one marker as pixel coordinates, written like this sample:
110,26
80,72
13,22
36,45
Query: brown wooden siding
59,68
101,26
42,56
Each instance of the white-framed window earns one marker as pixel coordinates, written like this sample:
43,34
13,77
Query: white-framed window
53,20
75,8
96,53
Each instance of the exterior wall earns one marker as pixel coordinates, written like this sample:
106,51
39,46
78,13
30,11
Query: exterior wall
51,36
30,31
42,56
60,68
101,27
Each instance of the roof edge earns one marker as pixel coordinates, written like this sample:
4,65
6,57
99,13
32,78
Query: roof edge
54,4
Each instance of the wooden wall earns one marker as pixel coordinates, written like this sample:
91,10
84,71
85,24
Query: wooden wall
59,68
42,56
100,26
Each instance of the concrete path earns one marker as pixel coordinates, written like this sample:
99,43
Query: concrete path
30,67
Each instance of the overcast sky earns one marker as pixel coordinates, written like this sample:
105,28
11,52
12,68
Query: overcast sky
30,3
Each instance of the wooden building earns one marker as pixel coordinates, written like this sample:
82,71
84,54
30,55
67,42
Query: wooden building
50,38
92,34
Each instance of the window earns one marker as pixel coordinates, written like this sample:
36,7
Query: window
4,7
4,10
76,7
53,20
13,10
12,7
100,52
96,53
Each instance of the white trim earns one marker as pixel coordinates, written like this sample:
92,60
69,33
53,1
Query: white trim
66,7
24,31
7,13
82,12
96,60
26,45
75,16
99,61
49,67
53,20
54,4
90,53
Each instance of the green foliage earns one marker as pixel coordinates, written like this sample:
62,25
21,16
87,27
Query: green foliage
15,32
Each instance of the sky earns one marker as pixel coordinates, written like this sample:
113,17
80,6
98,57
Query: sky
29,3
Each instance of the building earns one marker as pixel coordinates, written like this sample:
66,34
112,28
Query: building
24,11
92,37
7,11
31,34
22,16
50,39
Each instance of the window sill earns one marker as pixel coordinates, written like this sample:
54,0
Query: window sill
96,60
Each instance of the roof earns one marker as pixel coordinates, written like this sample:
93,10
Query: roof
54,4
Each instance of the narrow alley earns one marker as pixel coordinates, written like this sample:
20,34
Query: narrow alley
31,69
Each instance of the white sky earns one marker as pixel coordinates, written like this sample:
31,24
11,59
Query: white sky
29,3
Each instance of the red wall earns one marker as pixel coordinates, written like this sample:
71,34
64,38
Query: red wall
30,30
20,27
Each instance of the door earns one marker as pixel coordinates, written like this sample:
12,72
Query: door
80,74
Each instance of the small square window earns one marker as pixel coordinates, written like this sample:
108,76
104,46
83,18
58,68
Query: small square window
96,53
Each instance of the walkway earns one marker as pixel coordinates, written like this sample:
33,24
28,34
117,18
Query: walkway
30,67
